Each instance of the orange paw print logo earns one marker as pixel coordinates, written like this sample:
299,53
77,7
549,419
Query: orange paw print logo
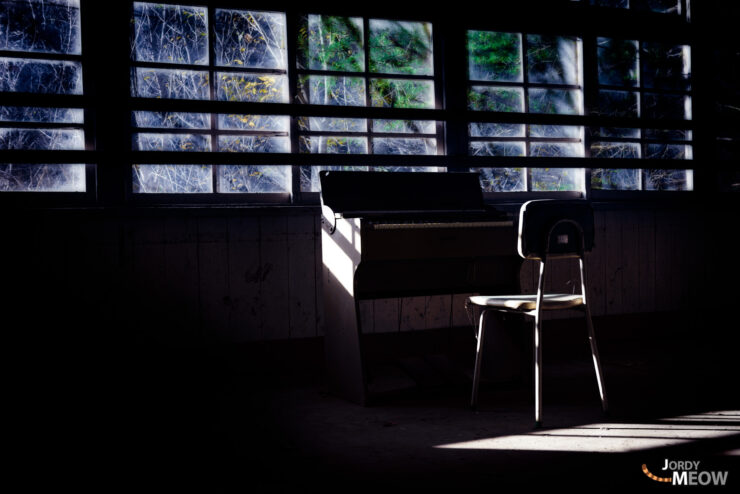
655,477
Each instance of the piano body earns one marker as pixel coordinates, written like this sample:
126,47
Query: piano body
403,234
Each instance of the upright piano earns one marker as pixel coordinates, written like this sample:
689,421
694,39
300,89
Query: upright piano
403,234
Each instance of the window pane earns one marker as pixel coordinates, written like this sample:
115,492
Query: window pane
40,139
615,179
250,39
669,180
170,84
40,114
58,32
402,93
170,33
617,61
331,43
171,142
310,175
172,179
556,149
171,120
254,144
665,66
259,88
487,98
618,103
561,101
495,130
615,132
561,179
564,131
667,106
40,76
42,178
494,56
615,150
331,90
669,151
502,179
411,146
668,134
329,124
253,179
622,4
391,169
398,47
333,145
552,59
276,123
661,6
509,148
405,126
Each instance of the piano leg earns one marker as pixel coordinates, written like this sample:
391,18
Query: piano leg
345,366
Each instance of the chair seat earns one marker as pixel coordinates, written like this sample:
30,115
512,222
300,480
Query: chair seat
552,301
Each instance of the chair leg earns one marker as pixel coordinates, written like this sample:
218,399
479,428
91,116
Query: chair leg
538,348
478,360
596,359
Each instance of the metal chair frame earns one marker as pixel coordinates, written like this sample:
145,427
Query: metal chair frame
537,314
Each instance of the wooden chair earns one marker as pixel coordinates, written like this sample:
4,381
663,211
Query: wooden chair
548,229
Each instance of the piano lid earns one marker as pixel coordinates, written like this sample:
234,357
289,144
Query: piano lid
354,194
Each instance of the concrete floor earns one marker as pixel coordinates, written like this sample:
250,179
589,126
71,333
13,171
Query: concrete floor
206,417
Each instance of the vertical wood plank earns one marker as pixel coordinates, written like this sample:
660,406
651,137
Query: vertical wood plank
596,266
663,260
438,311
459,314
244,278
274,305
630,262
182,300
385,313
413,313
646,262
148,283
213,259
302,272
367,316
614,268
318,287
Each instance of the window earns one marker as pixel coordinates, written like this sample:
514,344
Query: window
41,70
184,52
650,80
525,73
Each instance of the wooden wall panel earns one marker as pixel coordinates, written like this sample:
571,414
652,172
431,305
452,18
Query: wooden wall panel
301,272
245,278
213,273
275,290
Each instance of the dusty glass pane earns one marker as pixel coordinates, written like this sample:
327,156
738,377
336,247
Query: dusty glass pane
333,144
40,76
392,169
40,114
622,4
275,123
669,151
42,26
486,98
622,132
331,90
557,179
480,129
564,131
561,101
556,149
405,126
310,175
615,150
660,6
331,43
51,139
171,120
401,93
170,84
259,88
665,66
615,179
502,179
171,142
552,59
254,144
400,145
669,180
494,56
172,179
668,134
250,39
330,124
253,179
42,178
398,47
667,106
618,103
617,62
170,33
487,148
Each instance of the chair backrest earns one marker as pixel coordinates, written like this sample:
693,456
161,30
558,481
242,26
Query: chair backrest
555,228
